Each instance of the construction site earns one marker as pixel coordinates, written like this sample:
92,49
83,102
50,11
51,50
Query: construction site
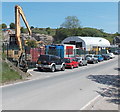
15,50
67,67
22,57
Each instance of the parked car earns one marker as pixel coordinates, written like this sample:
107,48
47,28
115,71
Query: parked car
71,62
100,58
91,58
82,61
50,62
117,52
111,55
105,56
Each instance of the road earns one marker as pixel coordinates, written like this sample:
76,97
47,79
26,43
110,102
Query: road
67,90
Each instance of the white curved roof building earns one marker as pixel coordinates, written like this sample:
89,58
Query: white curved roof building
86,42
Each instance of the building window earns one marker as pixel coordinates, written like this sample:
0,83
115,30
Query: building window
15,52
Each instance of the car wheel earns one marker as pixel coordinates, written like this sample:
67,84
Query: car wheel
53,68
39,69
63,68
93,62
72,67
77,66
25,70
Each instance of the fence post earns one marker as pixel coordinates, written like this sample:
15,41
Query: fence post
7,50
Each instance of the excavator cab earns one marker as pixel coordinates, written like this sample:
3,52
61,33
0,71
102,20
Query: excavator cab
13,48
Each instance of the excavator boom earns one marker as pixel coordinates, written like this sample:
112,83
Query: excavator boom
18,13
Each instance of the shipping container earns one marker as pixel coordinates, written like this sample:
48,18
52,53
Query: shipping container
32,54
57,50
62,51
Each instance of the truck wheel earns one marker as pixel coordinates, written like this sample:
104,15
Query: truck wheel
53,68
63,68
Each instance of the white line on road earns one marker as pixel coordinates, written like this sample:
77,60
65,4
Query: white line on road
90,102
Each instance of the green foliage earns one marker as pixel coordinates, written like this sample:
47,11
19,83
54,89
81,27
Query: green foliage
110,38
3,56
116,34
31,43
4,26
91,32
23,30
8,74
39,30
0,26
46,31
63,33
71,22
12,25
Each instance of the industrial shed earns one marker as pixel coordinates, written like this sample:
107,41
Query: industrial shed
87,43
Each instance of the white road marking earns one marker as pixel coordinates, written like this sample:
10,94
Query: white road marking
90,102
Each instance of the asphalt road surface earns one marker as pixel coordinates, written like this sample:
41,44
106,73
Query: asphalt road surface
66,90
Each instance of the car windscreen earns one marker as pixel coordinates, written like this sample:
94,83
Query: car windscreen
79,58
66,60
74,59
44,58
96,56
88,55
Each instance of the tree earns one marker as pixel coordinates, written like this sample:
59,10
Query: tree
12,26
71,22
4,26
23,30
32,27
31,43
48,30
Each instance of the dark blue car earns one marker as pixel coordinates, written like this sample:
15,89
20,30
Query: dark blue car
100,58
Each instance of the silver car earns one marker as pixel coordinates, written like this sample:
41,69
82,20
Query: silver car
82,61
91,58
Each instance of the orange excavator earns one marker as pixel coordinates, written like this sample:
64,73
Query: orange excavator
16,50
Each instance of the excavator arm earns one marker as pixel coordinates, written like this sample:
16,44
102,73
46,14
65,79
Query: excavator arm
18,13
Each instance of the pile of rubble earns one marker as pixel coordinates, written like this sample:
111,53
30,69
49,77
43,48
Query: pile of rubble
42,37
39,37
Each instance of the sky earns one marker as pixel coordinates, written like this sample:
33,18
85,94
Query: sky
100,15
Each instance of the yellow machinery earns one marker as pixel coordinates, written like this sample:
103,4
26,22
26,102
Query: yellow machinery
39,43
16,49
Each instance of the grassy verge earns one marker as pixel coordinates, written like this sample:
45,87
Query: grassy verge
8,74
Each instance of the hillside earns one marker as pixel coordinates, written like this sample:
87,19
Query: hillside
49,35
60,34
